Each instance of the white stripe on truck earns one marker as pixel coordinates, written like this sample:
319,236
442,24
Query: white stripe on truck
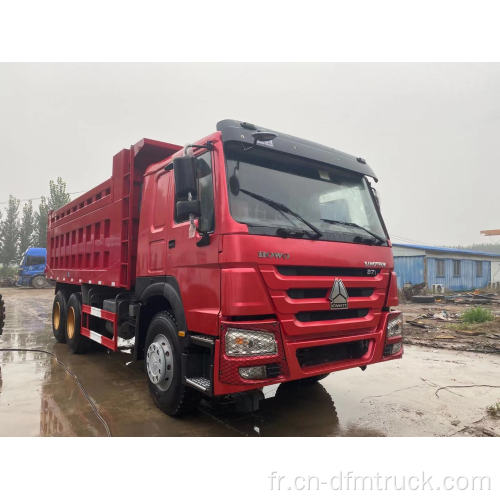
95,336
94,311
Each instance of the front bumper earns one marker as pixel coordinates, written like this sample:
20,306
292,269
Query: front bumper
296,359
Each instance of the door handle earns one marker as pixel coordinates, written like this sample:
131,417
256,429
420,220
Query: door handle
171,244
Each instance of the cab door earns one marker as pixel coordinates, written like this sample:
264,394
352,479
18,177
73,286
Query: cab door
195,265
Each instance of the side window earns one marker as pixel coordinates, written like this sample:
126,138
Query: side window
160,201
205,195
479,268
440,268
456,268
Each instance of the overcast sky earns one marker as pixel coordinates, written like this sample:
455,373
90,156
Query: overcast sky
431,132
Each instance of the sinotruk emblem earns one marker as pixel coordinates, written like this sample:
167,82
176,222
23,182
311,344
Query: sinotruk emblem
338,296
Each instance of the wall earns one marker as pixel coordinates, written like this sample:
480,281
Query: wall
495,272
467,279
409,269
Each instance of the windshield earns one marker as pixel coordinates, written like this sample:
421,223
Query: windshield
333,201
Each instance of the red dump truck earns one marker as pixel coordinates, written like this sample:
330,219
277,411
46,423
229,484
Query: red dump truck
245,259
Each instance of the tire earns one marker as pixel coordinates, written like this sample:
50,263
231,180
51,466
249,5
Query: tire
39,282
59,317
309,380
78,343
162,363
2,314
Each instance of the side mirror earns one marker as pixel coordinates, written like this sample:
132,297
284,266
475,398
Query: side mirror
185,176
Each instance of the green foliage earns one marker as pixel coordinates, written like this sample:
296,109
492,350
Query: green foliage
41,217
58,197
9,232
477,315
483,247
8,272
27,229
16,236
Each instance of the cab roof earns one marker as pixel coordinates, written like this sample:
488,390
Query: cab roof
235,130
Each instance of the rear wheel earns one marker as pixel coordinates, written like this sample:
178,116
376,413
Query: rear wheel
2,314
162,362
309,380
59,317
39,282
78,343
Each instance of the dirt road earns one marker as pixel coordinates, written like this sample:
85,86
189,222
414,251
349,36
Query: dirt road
39,397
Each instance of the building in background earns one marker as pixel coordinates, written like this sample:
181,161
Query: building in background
451,268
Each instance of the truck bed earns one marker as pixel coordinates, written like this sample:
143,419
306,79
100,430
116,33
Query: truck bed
93,239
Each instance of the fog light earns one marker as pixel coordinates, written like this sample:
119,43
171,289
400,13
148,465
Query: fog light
253,372
395,327
391,349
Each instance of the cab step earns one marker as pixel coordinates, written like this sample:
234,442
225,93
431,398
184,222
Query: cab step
201,383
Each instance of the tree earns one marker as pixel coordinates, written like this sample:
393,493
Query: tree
1,232
9,233
58,197
41,223
27,230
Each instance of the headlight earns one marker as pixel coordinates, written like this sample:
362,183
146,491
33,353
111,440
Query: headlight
395,327
249,342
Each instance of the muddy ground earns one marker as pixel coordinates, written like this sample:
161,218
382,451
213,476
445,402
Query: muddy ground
400,398
439,326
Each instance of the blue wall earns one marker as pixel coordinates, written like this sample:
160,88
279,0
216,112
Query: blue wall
467,279
409,270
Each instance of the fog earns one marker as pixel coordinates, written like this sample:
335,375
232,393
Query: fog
430,131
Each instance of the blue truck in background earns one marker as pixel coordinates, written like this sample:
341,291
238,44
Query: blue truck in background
32,268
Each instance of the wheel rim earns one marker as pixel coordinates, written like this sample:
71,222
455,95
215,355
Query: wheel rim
160,362
70,327
56,316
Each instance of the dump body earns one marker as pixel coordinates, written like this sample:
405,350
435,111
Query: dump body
93,239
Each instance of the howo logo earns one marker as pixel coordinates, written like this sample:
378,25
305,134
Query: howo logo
338,296
273,255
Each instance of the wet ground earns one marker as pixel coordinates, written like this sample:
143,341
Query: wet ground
439,325
39,397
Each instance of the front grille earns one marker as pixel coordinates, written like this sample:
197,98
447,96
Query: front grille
308,316
317,293
311,356
326,271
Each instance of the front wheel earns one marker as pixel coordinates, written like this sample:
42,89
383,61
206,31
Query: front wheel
162,362
39,282
309,380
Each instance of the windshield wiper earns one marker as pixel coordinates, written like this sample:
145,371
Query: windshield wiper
283,208
353,224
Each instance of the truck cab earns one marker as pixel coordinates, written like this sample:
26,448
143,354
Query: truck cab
32,268
285,261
